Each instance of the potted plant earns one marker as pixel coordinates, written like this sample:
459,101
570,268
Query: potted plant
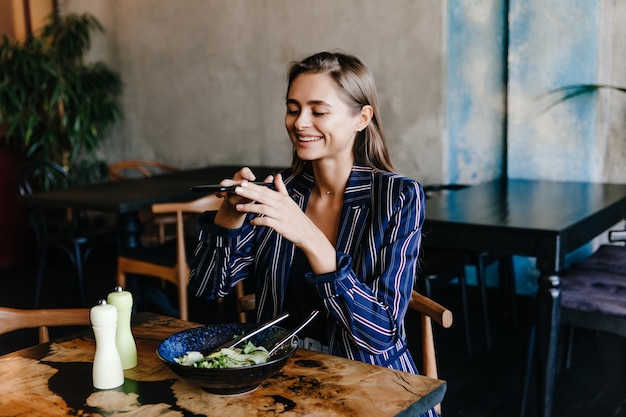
54,106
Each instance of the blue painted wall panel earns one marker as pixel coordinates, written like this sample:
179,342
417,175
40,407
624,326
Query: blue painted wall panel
552,44
475,84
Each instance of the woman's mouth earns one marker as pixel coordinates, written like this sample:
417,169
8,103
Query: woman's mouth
309,138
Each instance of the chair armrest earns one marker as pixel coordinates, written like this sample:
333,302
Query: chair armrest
14,319
432,309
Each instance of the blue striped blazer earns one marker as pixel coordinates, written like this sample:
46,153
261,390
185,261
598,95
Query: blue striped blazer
377,251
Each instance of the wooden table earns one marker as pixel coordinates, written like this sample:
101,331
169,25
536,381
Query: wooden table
55,380
128,197
541,219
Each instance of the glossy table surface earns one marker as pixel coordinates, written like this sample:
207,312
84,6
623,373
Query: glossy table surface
525,217
55,380
541,219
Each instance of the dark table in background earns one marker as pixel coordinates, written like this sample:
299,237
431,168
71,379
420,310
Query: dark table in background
128,197
541,219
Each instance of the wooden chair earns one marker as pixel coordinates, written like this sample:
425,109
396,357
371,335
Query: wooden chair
14,319
168,261
429,310
125,170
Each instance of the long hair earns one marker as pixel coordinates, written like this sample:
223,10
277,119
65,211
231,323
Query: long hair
357,89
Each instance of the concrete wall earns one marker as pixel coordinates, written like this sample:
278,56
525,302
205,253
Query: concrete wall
612,105
205,79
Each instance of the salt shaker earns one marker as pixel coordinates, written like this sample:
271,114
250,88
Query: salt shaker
123,301
107,365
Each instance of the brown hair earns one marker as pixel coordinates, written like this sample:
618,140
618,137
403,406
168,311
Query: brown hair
357,88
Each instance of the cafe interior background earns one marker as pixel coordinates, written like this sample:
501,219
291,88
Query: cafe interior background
463,84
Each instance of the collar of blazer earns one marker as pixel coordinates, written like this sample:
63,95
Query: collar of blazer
357,199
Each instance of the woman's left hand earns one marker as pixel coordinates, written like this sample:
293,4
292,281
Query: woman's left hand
279,211
283,215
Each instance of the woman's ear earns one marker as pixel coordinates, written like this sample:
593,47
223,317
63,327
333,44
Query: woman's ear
365,116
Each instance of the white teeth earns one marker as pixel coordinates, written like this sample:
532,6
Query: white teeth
308,139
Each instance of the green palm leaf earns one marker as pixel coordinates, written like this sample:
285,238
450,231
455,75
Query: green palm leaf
568,92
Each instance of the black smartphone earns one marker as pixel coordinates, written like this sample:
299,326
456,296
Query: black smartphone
216,188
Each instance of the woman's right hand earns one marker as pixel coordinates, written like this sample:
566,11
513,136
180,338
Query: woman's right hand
228,216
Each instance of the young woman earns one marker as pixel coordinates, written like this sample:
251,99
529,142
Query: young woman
338,231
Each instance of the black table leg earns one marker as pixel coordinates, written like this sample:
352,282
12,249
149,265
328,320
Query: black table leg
548,320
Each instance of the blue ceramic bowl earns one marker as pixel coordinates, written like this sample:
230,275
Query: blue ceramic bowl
229,380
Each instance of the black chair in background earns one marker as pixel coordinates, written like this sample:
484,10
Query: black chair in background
63,228
593,296
440,266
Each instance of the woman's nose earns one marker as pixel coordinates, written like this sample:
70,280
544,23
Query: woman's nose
302,122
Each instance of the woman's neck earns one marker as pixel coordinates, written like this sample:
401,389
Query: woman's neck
331,180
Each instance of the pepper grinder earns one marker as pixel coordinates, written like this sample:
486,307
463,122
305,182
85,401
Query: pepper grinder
123,301
107,365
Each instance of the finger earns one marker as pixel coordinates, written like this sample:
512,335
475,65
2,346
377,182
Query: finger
261,221
242,174
253,191
250,208
279,184
246,173
261,210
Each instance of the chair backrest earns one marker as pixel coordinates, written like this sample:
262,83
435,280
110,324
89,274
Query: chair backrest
39,176
123,170
245,302
198,206
13,319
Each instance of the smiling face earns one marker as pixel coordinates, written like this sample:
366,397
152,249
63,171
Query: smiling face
320,123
